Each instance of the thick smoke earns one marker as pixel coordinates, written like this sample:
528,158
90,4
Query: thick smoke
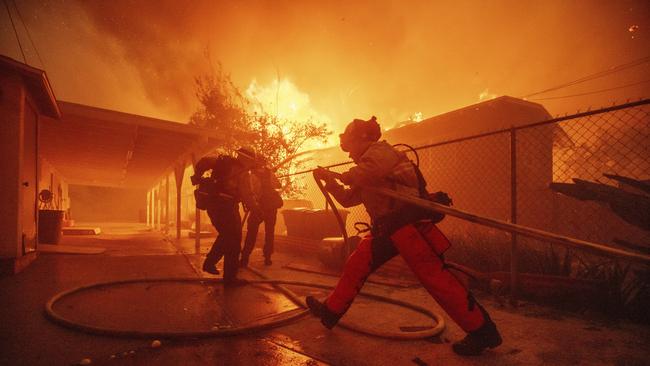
354,59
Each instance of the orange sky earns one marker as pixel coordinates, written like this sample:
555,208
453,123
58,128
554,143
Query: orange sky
345,59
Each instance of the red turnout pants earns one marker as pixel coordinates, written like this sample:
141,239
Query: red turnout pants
421,245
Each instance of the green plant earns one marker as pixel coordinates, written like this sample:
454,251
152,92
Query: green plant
553,260
222,107
626,288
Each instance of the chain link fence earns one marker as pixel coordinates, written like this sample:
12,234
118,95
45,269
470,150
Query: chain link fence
507,175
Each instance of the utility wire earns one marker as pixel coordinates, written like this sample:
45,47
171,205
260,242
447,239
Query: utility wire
15,32
29,35
590,77
593,92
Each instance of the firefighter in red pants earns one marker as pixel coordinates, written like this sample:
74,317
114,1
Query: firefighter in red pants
397,228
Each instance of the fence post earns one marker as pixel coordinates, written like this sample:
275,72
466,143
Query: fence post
514,257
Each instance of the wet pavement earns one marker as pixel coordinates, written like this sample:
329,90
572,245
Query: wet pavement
533,335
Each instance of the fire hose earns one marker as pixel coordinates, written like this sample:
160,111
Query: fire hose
337,214
57,318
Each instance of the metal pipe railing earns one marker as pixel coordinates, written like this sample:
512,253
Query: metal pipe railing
515,228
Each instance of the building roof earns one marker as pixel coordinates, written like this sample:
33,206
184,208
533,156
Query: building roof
489,116
37,85
100,147
492,115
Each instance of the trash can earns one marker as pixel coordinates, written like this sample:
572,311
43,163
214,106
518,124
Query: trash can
294,220
50,224
313,223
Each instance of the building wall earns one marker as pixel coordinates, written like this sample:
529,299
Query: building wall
106,204
12,101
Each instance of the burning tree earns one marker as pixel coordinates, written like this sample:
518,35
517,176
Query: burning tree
224,108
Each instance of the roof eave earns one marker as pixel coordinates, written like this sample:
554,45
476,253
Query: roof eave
37,83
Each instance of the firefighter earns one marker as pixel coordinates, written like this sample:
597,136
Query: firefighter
231,183
397,228
265,186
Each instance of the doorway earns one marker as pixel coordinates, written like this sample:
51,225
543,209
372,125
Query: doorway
29,180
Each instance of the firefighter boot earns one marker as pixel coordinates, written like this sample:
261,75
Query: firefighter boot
320,310
210,268
487,336
243,261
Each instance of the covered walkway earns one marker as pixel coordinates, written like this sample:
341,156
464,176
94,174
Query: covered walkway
95,146
91,146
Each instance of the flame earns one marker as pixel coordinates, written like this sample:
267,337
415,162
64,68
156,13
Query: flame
417,117
285,100
485,95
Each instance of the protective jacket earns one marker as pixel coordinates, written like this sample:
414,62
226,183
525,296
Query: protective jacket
265,187
229,180
381,166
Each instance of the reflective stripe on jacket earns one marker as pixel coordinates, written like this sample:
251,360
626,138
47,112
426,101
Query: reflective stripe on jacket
381,166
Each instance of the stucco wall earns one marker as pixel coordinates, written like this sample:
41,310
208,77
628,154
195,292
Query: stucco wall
12,100
106,204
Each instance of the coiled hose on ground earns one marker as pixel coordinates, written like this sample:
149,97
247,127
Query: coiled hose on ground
255,327
245,329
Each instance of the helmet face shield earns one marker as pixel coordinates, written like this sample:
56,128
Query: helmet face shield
345,140
358,132
246,155
351,136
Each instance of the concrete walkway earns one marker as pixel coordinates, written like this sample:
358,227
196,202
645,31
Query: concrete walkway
533,335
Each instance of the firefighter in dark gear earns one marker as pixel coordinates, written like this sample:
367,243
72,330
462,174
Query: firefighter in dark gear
397,228
265,186
230,184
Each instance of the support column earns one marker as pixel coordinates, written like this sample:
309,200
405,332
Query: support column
154,208
179,171
158,207
166,202
148,207
197,219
